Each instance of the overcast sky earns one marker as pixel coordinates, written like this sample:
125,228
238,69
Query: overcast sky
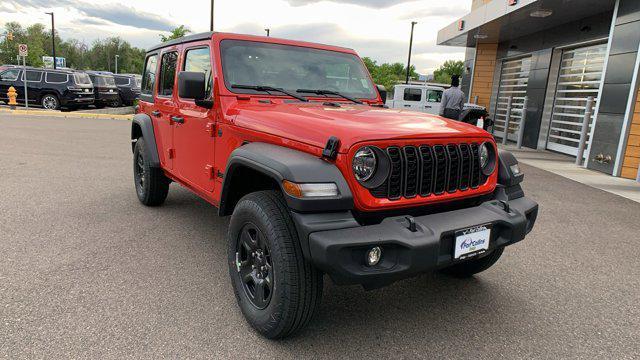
375,28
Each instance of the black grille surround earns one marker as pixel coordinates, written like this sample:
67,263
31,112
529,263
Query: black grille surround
431,170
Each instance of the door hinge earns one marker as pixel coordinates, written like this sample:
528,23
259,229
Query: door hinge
220,174
171,153
211,129
210,171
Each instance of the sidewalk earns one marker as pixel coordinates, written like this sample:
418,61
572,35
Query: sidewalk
88,114
564,166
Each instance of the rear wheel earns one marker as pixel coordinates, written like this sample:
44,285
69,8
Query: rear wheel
471,267
277,290
152,186
50,102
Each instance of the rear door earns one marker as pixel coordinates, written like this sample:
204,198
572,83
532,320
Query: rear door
34,85
165,103
433,101
412,99
194,133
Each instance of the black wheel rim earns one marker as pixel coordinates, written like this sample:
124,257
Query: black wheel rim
140,176
254,266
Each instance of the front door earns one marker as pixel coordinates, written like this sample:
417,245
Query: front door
194,134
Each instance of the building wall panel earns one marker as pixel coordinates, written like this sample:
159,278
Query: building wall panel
631,160
483,73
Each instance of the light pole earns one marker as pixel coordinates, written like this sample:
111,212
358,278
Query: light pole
413,23
212,7
268,31
117,56
53,39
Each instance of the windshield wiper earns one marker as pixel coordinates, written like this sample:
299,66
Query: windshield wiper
268,89
329,92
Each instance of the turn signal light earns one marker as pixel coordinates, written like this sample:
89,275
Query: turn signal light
310,189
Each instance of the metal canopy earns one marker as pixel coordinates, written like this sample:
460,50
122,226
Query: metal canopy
497,21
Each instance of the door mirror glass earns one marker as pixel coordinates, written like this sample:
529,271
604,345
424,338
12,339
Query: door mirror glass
191,85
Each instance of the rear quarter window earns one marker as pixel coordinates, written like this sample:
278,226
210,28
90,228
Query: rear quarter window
149,75
56,78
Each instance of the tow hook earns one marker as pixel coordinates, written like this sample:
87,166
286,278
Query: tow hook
505,206
411,223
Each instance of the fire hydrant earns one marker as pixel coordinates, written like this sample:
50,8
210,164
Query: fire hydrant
12,94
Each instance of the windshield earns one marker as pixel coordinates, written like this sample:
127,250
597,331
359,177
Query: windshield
292,68
82,79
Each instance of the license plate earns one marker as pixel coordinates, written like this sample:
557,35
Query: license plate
472,241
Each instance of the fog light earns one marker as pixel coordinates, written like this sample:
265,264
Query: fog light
373,256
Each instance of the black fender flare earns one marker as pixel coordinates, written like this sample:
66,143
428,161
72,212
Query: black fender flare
142,126
281,163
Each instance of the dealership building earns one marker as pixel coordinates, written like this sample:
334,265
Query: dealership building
557,57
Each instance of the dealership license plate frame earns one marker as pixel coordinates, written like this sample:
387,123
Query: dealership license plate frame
473,233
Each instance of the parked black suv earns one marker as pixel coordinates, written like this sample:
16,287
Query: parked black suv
52,89
105,88
128,88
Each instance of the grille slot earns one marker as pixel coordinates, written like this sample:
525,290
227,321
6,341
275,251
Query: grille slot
395,176
412,173
430,170
426,179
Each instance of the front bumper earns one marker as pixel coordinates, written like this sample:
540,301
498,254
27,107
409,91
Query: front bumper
340,252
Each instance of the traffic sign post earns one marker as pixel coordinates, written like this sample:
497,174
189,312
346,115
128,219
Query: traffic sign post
23,50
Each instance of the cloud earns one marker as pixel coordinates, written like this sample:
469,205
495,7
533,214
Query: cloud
434,12
119,14
367,3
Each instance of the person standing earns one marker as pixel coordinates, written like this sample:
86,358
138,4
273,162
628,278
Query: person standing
452,100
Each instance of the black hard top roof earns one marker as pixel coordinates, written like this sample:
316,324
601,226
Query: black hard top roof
184,39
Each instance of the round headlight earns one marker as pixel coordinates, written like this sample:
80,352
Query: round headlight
484,155
364,164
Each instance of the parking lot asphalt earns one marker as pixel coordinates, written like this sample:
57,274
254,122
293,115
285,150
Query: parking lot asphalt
88,272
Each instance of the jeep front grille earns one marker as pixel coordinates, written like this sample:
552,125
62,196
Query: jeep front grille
430,170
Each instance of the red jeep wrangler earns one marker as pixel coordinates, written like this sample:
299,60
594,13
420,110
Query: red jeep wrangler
292,140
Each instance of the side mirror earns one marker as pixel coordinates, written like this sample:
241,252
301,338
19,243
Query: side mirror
191,85
383,92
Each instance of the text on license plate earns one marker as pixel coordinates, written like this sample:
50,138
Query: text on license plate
472,241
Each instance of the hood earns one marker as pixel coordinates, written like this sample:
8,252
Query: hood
313,123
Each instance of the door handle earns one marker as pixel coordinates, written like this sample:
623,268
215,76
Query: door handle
177,119
407,106
156,113
428,106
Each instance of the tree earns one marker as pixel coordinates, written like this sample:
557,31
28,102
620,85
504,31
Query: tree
450,67
176,33
389,75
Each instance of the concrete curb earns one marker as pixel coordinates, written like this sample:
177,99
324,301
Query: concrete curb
66,114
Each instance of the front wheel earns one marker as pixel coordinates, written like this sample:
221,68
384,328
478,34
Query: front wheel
152,186
471,267
277,290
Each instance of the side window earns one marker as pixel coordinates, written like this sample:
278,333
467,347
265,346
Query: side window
33,76
434,96
149,76
412,94
167,73
122,81
199,60
55,78
10,75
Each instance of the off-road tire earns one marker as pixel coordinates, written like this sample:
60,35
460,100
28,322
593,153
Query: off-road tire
154,187
116,103
471,267
297,289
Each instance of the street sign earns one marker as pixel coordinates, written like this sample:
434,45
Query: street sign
23,50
